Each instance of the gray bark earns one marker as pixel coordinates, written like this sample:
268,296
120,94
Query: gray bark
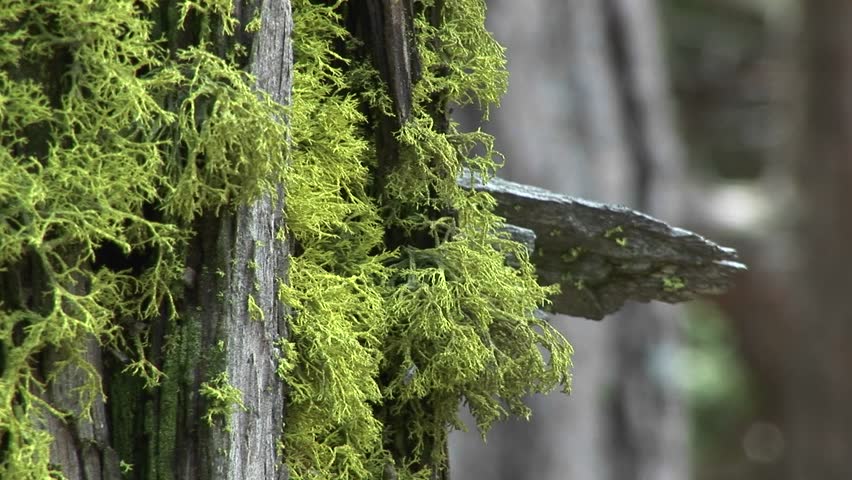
252,358
255,260
603,255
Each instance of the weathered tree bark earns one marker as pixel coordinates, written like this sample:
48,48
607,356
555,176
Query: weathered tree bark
235,256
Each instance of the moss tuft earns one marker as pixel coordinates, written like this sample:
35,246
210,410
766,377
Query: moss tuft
385,343
221,398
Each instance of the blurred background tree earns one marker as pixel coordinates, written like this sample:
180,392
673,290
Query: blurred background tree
729,117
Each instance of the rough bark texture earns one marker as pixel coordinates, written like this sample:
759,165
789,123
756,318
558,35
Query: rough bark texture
248,247
252,358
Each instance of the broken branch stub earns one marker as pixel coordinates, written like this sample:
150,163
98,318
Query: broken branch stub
603,255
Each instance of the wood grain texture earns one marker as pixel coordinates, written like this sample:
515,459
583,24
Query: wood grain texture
257,266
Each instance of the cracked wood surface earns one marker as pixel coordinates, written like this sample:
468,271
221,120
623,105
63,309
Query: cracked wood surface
604,255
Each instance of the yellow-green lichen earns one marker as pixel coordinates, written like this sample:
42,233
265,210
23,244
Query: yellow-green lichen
221,398
101,127
673,283
385,343
572,254
76,167
254,310
612,231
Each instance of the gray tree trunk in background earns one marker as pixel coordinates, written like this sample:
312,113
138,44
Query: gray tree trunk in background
588,114
818,392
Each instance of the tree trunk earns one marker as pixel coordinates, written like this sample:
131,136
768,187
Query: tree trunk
228,320
235,267
818,393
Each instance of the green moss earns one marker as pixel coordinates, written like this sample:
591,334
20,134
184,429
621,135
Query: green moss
124,391
221,398
384,342
673,283
182,351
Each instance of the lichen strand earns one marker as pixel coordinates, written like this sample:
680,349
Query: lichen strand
384,344
222,398
112,146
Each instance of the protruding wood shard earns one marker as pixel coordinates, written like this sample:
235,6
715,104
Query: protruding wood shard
603,255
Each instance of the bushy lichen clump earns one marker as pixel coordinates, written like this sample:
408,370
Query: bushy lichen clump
112,139
385,344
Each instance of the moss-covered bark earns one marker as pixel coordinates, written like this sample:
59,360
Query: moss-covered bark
139,212
142,194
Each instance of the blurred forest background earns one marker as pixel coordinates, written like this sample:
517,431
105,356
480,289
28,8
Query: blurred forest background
732,118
